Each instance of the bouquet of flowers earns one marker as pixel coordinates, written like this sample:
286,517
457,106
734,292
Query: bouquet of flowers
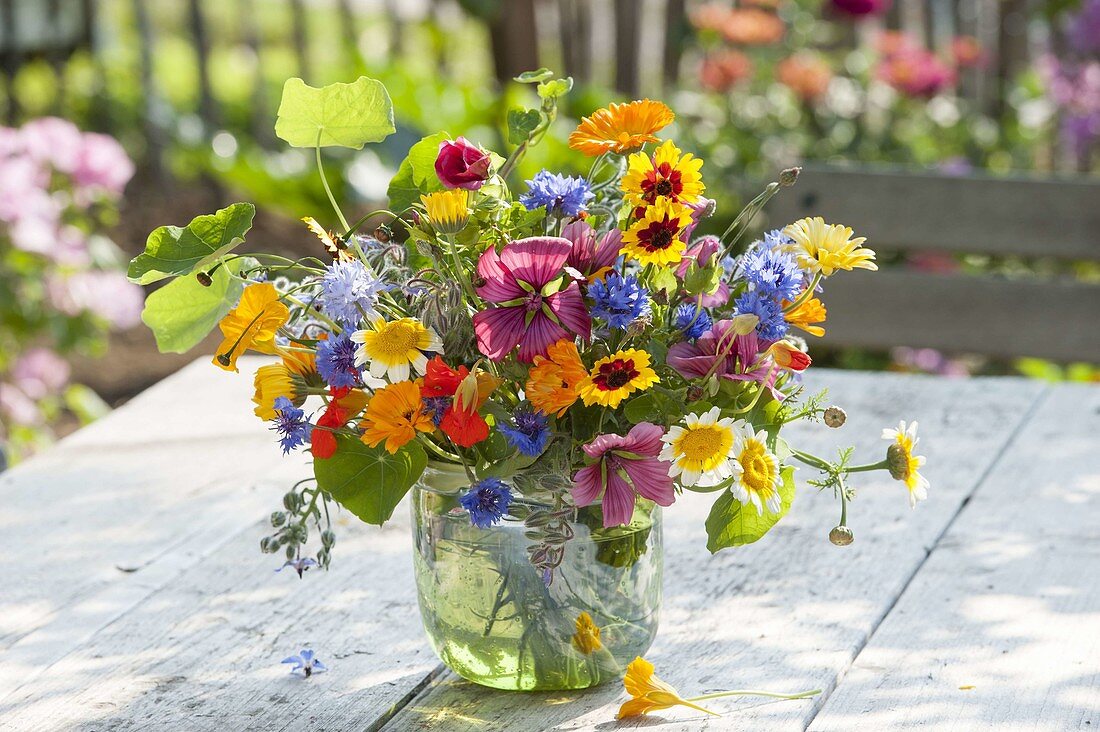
61,284
563,354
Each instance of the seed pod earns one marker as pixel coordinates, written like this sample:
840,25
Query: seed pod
204,279
841,536
835,417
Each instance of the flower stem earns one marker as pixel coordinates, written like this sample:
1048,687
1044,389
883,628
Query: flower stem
328,190
806,294
755,692
881,465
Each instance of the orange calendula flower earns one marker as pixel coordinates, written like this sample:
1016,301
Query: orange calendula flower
282,379
394,415
620,128
648,692
251,325
553,379
806,316
587,638
667,173
655,238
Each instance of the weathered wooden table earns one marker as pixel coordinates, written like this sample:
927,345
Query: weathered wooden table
135,597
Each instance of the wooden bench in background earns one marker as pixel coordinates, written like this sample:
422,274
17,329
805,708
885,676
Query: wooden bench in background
1056,318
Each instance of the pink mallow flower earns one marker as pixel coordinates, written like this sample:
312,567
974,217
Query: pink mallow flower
623,468
701,253
916,72
462,164
725,353
590,256
535,305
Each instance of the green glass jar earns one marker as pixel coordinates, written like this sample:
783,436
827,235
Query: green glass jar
492,618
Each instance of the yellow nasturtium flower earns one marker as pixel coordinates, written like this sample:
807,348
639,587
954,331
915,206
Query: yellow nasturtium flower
648,693
587,638
251,325
807,316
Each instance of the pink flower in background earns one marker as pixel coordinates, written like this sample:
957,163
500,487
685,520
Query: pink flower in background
624,467
18,407
534,314
106,294
860,8
967,52
724,69
40,372
102,165
916,72
462,164
589,255
54,141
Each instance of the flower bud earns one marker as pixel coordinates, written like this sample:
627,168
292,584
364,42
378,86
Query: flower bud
897,461
841,536
269,545
383,234
204,279
835,417
461,164
789,177
278,518
694,393
328,538
291,501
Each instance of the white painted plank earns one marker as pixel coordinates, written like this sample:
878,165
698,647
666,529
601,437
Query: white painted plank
1009,603
791,612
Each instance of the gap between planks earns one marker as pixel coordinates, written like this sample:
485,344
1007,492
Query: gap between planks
1032,408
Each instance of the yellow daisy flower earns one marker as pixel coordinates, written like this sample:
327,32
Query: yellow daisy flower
655,237
391,348
587,638
825,248
648,693
701,452
903,464
448,210
666,174
615,377
755,471
620,127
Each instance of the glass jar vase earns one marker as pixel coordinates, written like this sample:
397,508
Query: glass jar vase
493,619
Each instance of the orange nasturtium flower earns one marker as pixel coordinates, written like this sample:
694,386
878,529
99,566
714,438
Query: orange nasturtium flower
552,382
587,638
252,324
807,315
648,693
394,415
620,128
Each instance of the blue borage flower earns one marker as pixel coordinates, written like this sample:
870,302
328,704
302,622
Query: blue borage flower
566,195
530,434
305,663
291,424
349,292
692,325
618,301
773,273
487,501
437,407
336,362
772,325
299,565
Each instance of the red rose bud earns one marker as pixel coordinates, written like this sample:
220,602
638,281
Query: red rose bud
461,164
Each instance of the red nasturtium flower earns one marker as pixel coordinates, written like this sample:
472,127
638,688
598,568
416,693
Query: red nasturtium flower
468,391
344,402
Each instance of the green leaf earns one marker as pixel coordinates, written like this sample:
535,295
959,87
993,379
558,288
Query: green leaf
556,88
702,280
172,251
643,407
521,123
732,524
183,312
416,174
534,77
342,115
665,279
368,481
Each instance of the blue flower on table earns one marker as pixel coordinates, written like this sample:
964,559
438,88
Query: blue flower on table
299,565
565,195
692,321
618,300
487,501
305,663
529,432
291,424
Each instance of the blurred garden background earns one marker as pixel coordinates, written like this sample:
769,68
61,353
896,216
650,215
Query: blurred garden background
960,136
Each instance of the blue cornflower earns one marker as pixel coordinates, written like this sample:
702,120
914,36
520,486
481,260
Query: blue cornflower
566,195
291,424
487,501
299,565
349,291
336,361
530,433
773,273
618,300
437,407
305,663
772,325
692,325
776,239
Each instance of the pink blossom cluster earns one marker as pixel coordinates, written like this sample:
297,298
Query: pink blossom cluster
912,69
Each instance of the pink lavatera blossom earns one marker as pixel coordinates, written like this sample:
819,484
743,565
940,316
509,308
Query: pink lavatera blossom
626,466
